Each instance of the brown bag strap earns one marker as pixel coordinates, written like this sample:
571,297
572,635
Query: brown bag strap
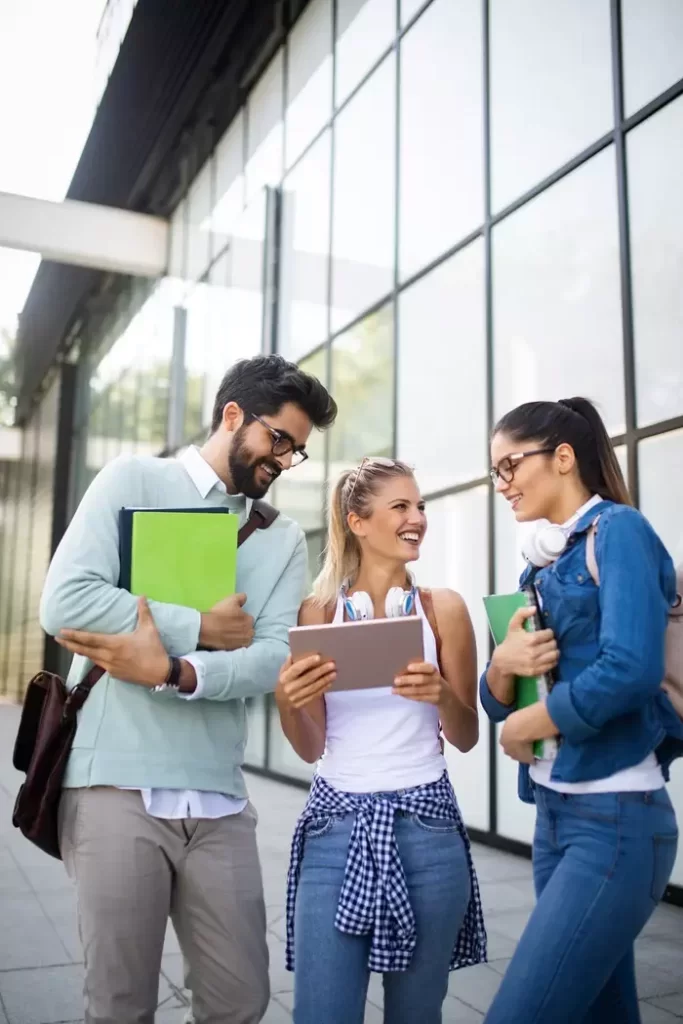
428,606
262,516
77,697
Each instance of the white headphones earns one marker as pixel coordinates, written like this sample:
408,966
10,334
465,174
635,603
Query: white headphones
547,541
397,603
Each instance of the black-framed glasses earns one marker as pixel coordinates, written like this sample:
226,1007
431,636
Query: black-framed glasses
505,470
283,444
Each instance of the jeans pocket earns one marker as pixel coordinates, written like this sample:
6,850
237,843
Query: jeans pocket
663,860
317,827
439,826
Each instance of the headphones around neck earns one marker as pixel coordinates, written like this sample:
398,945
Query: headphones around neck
397,603
547,542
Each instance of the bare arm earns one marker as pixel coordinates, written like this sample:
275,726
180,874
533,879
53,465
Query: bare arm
458,708
299,694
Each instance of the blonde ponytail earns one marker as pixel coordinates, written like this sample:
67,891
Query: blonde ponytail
342,553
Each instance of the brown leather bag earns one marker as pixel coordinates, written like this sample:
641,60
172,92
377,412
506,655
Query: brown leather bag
48,726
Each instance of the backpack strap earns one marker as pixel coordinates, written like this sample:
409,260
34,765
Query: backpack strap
591,560
262,516
428,608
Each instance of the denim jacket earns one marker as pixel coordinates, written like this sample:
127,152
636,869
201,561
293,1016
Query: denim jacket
606,701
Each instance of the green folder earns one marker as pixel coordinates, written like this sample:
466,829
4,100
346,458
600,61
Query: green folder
185,558
529,689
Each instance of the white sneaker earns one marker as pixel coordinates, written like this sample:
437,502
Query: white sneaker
188,1018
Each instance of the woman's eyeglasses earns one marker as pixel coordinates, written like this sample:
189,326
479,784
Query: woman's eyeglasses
370,461
505,470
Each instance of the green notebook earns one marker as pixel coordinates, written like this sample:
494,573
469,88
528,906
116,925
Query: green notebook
184,558
530,689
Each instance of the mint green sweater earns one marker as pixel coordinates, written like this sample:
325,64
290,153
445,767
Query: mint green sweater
128,736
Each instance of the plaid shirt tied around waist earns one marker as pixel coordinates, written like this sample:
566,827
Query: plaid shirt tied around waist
374,897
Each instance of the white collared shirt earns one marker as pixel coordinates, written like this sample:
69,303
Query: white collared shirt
192,803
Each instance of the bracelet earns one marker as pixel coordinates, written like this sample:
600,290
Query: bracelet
172,681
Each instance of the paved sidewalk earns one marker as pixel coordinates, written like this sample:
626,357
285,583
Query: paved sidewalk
40,955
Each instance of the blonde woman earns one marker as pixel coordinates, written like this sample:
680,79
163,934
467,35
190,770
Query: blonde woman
381,877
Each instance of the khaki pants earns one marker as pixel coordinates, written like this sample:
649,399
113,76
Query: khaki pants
132,871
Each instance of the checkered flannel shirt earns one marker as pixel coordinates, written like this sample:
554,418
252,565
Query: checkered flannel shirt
374,897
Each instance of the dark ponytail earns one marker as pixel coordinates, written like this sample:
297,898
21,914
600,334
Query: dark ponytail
573,421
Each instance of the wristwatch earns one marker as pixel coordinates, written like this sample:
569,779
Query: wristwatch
172,680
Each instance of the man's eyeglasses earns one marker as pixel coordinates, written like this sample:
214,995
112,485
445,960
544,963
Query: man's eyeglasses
505,470
283,444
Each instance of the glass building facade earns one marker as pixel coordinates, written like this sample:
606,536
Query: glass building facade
441,209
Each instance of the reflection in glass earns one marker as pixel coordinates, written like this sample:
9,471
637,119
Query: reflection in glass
199,202
222,345
309,78
409,9
364,30
652,41
362,385
315,551
282,757
661,488
299,491
305,246
655,172
229,187
551,88
557,298
441,324
196,357
265,129
454,555
176,254
364,189
441,171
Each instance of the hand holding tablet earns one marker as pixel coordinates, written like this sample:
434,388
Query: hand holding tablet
364,654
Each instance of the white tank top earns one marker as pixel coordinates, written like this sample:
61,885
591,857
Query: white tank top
378,742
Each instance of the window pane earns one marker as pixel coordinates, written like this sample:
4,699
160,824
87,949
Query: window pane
299,491
315,551
223,343
264,129
305,246
655,173
176,257
255,750
557,301
229,198
448,406
441,174
409,9
661,488
362,385
454,555
365,28
196,336
282,757
309,78
364,189
652,39
199,203
551,88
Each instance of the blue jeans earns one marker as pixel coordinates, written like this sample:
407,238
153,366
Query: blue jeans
601,865
331,974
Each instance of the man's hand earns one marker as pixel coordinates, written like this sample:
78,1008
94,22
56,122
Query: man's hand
227,627
137,657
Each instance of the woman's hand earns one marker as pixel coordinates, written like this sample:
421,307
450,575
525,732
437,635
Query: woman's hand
522,728
301,682
137,657
523,653
423,682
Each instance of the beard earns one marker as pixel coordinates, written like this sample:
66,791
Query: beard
243,468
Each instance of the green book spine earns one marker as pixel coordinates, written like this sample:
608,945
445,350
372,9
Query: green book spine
529,689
